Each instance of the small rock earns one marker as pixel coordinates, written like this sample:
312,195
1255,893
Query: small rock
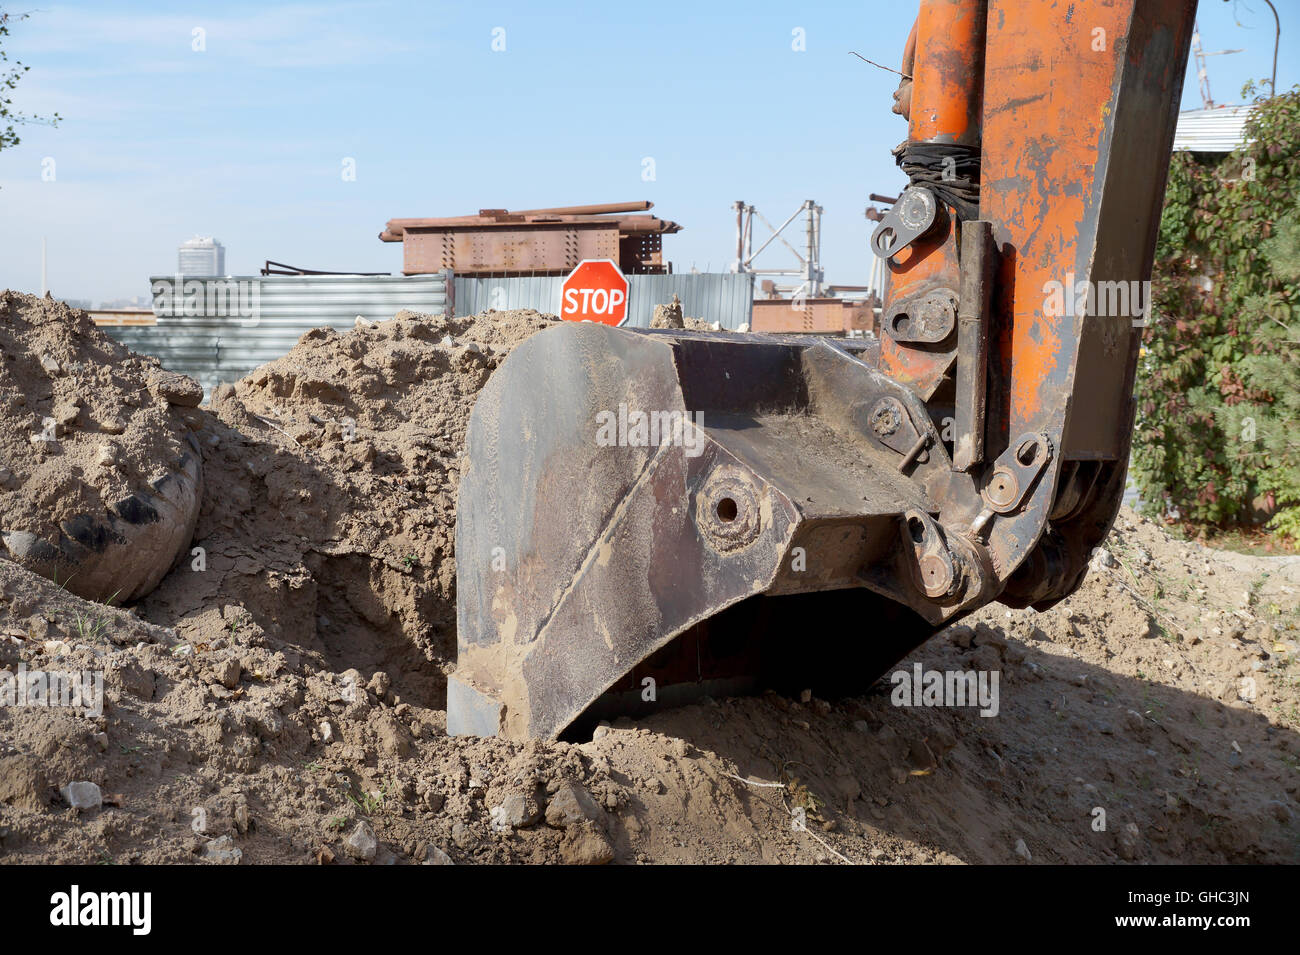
1102,559
435,856
587,844
520,810
50,364
176,389
961,636
668,316
1022,850
361,843
393,738
222,851
82,795
227,673
572,805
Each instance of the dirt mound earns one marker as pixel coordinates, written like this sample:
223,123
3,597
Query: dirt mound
330,520
280,698
99,473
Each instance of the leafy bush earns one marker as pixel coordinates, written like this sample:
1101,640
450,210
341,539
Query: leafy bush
1218,435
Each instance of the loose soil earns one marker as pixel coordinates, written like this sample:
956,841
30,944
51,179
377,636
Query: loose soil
280,697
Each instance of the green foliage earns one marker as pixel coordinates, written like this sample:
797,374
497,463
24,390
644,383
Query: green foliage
1219,383
9,77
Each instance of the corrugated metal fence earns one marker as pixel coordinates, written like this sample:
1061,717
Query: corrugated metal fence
716,297
1220,130
220,329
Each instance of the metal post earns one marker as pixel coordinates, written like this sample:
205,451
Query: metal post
810,260
739,264
1277,42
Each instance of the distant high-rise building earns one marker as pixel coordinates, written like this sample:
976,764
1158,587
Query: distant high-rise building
201,256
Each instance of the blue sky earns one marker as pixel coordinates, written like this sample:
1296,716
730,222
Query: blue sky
246,139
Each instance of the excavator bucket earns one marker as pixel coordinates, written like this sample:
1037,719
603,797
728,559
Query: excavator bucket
650,516
623,488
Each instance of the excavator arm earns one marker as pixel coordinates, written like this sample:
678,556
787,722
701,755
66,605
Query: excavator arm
649,516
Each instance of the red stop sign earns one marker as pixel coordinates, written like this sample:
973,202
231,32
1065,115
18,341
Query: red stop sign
595,291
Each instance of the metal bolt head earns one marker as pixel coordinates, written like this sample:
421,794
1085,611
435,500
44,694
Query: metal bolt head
1002,488
886,418
917,208
936,575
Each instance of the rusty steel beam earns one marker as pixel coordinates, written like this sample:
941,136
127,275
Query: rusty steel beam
591,210
1074,194
536,241
979,256
609,212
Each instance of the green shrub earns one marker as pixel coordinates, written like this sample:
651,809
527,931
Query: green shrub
1219,380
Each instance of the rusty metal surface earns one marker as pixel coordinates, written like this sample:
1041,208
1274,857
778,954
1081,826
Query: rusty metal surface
947,74
119,317
557,604
539,249
822,316
1073,182
979,255
533,241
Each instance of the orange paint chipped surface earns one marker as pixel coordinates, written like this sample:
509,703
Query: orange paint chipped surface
1043,131
946,86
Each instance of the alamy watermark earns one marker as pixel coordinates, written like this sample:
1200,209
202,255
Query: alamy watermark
948,688
1130,300
626,428
212,297
70,689
133,910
